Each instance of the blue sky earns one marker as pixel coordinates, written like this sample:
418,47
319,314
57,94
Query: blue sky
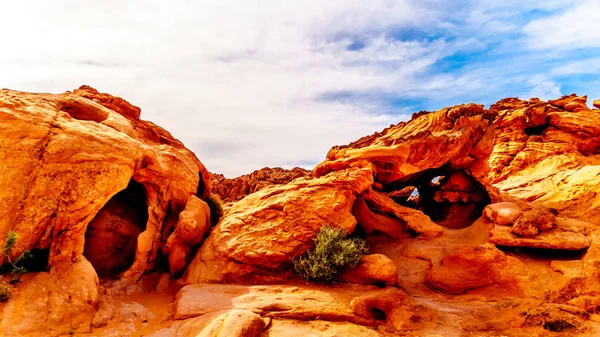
248,84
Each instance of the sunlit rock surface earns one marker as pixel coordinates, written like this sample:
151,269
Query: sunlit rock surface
480,222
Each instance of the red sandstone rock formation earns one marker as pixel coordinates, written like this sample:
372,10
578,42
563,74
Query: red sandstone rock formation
236,188
533,164
479,221
85,179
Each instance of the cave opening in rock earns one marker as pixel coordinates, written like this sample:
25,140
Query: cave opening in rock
378,314
536,130
111,237
451,198
38,261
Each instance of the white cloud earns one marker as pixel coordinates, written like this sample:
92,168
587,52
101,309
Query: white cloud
241,82
574,28
543,88
236,81
588,66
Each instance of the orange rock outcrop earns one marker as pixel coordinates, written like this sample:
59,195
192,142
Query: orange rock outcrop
237,188
452,197
85,180
479,222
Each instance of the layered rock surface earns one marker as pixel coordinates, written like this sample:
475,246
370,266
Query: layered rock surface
419,189
479,222
85,179
549,152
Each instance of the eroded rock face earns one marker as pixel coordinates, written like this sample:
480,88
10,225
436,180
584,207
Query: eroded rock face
235,189
548,152
258,242
261,234
487,219
67,161
450,197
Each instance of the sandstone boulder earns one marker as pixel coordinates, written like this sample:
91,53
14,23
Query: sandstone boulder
534,221
54,303
467,268
193,224
84,178
483,268
373,269
503,213
235,323
261,234
569,234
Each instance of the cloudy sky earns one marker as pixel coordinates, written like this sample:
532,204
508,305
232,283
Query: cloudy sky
253,83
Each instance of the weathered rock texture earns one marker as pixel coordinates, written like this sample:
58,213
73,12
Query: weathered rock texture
465,202
479,222
261,234
85,178
549,152
235,189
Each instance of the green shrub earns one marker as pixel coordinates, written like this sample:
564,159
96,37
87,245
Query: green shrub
10,241
333,252
216,208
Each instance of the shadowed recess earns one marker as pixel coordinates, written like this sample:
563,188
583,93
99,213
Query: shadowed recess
111,237
451,198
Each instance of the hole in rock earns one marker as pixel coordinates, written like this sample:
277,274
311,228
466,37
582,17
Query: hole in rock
379,284
111,237
38,261
406,196
378,314
536,130
436,181
558,325
451,198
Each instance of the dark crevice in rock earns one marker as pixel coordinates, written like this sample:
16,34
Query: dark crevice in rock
378,314
38,262
558,325
536,130
200,188
544,254
111,237
451,198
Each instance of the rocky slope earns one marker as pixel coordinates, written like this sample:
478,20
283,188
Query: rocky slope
480,222
234,189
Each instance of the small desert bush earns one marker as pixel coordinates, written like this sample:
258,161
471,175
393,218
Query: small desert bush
16,270
333,252
216,208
